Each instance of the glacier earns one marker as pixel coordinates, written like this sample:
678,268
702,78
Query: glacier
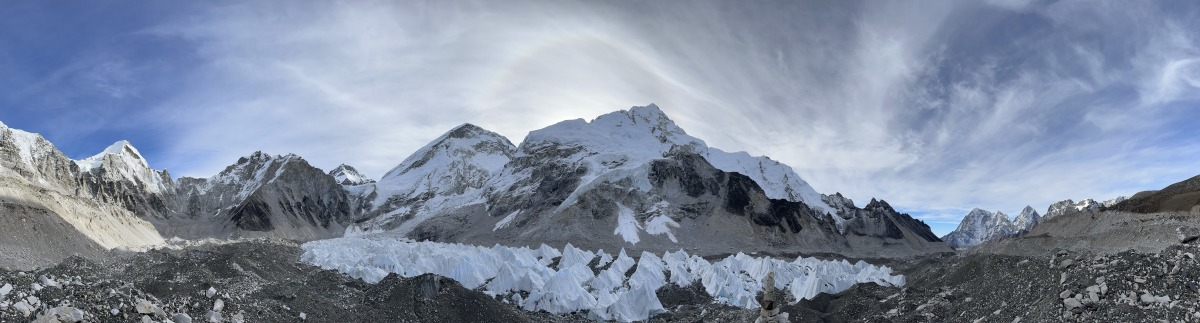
570,285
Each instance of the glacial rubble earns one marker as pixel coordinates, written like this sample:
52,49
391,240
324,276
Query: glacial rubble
1063,286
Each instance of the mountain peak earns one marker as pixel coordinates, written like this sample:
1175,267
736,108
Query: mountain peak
464,140
651,112
122,148
347,175
644,133
467,130
1027,219
979,226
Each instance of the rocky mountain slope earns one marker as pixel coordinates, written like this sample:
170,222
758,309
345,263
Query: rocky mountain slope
116,200
448,173
97,203
1183,196
261,195
1027,219
633,173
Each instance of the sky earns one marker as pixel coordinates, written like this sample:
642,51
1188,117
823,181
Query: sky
935,106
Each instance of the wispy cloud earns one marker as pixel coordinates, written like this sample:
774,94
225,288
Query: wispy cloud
934,108
937,108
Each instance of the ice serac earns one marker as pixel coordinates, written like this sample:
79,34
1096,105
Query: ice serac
448,173
980,226
348,176
262,195
527,277
634,178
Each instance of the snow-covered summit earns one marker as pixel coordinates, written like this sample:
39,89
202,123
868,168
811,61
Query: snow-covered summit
449,172
628,139
124,152
640,133
466,156
121,161
347,175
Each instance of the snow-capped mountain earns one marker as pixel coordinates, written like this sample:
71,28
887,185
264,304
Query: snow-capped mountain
626,179
116,200
980,226
448,173
1070,206
348,176
639,175
37,179
1027,219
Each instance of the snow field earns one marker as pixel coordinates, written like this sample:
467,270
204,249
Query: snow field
572,286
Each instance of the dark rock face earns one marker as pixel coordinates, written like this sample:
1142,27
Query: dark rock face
553,182
711,206
253,215
131,195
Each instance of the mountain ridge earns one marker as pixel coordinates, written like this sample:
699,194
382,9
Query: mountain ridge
633,172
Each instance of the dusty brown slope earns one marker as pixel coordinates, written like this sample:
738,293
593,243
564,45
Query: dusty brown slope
33,237
1179,197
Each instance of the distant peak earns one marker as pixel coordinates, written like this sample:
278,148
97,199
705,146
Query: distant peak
468,130
119,148
647,110
347,175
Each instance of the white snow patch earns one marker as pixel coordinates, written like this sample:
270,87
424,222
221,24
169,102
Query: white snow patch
662,224
505,221
571,286
627,225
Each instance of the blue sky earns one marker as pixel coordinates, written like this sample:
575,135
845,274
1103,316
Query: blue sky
937,106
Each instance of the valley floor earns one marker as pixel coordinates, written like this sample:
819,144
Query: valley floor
264,281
